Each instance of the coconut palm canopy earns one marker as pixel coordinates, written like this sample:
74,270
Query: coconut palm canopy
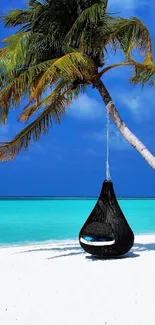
59,50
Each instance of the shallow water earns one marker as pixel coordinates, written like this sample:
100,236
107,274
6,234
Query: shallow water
55,219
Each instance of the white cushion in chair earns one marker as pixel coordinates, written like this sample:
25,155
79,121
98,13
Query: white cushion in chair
97,243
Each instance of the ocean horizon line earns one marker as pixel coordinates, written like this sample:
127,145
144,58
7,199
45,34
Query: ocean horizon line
72,198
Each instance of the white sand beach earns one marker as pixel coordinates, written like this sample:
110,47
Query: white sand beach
58,284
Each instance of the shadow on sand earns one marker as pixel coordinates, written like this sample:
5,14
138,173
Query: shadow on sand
73,250
53,249
139,247
63,251
128,255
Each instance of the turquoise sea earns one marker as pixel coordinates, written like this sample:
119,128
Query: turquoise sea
36,220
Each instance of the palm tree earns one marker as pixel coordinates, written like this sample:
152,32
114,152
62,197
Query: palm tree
60,48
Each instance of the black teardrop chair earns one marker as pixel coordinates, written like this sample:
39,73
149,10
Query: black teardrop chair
106,233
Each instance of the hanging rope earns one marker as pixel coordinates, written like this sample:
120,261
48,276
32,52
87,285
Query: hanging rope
108,177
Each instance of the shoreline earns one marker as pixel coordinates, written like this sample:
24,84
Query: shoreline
58,241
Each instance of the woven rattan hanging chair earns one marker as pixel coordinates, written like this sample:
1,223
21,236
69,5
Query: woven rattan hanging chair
106,233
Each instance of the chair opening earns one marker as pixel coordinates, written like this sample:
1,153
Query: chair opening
105,241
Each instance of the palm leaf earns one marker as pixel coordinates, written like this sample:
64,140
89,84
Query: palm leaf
16,17
24,18
121,64
16,87
73,65
29,111
61,89
15,50
130,34
42,124
70,89
89,16
85,24
143,73
36,79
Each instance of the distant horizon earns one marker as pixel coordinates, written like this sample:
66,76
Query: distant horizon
73,197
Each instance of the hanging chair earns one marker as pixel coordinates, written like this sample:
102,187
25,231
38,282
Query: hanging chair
106,233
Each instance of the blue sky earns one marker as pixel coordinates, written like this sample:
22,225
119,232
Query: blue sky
70,160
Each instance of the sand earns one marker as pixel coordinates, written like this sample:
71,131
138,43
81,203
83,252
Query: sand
57,284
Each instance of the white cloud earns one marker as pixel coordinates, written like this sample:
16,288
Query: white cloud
132,103
86,107
116,140
139,103
126,6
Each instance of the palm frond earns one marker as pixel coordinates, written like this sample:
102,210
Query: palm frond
42,124
121,64
130,34
73,65
28,112
16,17
143,73
70,89
34,80
61,89
15,50
15,87
25,18
89,16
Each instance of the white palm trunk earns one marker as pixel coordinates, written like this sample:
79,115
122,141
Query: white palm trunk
124,130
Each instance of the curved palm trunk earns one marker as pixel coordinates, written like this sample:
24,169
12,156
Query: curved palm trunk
127,134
